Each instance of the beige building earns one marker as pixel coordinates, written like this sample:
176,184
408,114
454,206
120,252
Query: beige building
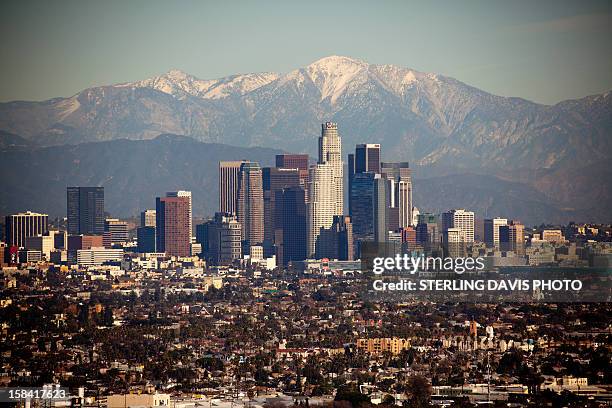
250,203
321,205
330,152
137,400
394,345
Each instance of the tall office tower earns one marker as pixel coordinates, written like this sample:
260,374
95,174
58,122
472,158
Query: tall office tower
295,161
147,218
292,161
366,158
512,237
20,226
250,204
202,237
172,220
409,237
362,199
454,241
401,192
342,230
274,180
381,208
187,194
85,210
146,239
291,231
228,186
322,206
330,152
427,229
118,230
461,219
224,239
370,216
491,231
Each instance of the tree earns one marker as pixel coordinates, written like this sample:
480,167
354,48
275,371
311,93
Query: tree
419,391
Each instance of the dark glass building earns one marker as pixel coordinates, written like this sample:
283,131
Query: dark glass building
85,213
146,239
291,235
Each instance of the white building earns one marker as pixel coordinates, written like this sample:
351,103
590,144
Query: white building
330,152
42,243
97,256
491,231
461,219
322,203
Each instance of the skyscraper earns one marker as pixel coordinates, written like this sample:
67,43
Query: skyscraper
274,180
491,231
400,194
224,239
291,232
183,193
365,159
295,161
172,220
362,199
342,230
146,239
330,152
23,225
117,229
250,204
85,213
461,219
512,237
228,186
427,229
147,218
322,206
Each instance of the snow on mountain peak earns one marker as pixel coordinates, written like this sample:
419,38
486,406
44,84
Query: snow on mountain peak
333,74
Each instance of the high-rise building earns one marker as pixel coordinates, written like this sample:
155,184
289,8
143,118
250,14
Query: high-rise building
187,194
85,210
147,218
462,219
23,225
342,230
172,219
98,256
42,243
512,237
365,159
291,231
322,206
274,180
295,161
330,152
292,161
362,199
228,186
491,231
370,216
146,239
427,229
250,204
454,242
399,174
118,230
224,239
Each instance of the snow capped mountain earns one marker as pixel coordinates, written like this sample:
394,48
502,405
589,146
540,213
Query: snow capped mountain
424,117
181,85
435,122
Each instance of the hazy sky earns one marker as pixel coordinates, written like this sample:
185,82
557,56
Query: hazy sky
545,51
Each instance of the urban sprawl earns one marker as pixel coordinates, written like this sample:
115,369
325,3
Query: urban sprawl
261,305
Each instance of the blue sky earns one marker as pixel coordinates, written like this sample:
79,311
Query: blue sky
545,51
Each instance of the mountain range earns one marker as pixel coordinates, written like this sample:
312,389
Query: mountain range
557,155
